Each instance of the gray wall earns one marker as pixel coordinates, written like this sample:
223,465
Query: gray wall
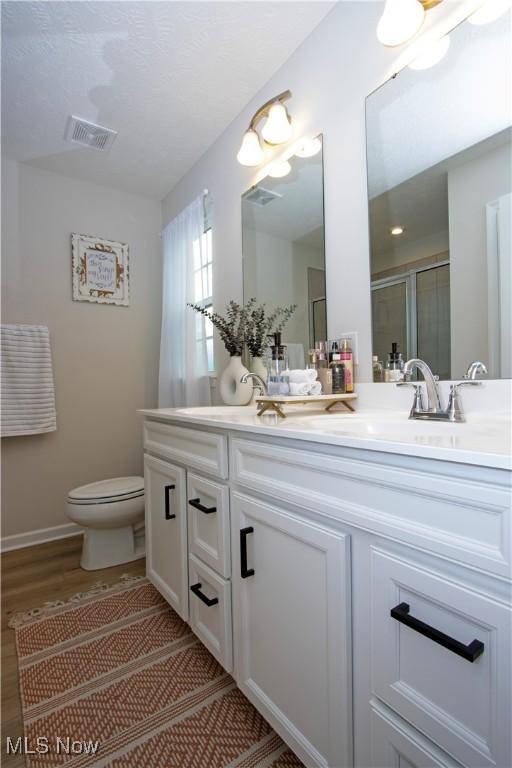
105,357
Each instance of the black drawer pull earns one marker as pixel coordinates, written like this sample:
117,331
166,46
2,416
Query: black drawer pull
209,601
196,503
244,570
469,652
168,515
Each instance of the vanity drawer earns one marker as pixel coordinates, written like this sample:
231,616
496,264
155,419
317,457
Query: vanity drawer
395,744
208,523
210,611
461,512
462,705
205,451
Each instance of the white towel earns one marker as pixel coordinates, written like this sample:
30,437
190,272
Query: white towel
298,388
28,395
316,388
298,376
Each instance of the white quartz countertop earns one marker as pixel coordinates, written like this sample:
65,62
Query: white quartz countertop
483,440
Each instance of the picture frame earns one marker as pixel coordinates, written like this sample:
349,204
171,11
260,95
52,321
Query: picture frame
100,270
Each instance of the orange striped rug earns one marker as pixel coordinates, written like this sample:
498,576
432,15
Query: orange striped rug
115,678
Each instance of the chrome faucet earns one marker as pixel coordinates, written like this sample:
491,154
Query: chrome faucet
433,398
259,382
474,369
434,410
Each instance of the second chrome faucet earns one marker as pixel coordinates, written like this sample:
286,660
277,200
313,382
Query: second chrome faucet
434,410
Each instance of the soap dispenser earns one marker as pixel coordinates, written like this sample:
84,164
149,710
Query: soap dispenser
394,364
278,379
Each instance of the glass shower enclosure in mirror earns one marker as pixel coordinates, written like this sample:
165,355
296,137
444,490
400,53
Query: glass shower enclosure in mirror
439,188
283,250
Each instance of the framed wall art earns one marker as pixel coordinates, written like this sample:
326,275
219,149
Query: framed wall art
100,270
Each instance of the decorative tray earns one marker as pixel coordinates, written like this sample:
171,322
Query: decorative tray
276,402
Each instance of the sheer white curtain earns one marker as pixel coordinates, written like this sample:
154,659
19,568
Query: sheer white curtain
183,379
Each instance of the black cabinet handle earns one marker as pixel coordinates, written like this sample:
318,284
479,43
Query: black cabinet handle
196,503
469,652
168,515
209,601
244,570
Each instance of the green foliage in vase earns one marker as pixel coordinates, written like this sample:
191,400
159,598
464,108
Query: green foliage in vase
231,327
247,324
261,325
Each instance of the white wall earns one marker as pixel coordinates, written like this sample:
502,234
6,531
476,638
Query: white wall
105,357
470,187
330,75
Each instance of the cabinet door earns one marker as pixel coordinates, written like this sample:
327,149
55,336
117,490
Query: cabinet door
166,531
395,744
292,628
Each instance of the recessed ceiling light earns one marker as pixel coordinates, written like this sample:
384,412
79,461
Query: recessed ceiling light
397,230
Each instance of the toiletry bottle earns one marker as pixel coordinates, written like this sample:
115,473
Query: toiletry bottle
324,372
339,372
334,350
378,369
347,359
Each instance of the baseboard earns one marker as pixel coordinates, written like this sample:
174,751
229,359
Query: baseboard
20,540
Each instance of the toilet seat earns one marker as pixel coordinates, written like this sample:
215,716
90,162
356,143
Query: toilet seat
107,491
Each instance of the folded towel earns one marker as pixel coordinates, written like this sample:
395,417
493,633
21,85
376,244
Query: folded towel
298,375
316,388
28,397
298,388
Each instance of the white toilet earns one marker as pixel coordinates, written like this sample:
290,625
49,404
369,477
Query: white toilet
111,512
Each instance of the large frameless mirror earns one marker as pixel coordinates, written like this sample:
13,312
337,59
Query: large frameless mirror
283,249
439,187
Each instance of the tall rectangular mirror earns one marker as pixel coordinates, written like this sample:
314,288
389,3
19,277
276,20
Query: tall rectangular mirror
439,187
283,249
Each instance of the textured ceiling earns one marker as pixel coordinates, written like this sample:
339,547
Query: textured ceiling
168,76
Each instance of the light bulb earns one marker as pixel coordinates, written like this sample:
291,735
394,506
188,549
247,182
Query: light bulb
489,11
432,54
278,128
400,21
398,230
250,153
310,148
279,169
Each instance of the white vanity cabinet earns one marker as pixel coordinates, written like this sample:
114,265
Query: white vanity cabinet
291,610
166,531
361,599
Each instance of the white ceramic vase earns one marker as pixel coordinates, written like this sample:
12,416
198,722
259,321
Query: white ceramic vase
232,391
259,367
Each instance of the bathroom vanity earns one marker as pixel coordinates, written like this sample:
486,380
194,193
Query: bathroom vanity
352,572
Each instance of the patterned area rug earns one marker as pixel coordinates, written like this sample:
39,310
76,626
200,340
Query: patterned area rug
115,678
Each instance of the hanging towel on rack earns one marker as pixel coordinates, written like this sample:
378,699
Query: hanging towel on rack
28,395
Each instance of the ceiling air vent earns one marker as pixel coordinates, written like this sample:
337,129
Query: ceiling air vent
261,196
87,134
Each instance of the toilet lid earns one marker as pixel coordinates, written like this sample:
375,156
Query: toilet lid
108,489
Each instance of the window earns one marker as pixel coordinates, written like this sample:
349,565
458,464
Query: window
203,290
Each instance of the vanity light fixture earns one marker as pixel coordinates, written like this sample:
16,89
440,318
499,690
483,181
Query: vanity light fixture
277,130
279,169
401,20
432,54
490,11
310,148
398,230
